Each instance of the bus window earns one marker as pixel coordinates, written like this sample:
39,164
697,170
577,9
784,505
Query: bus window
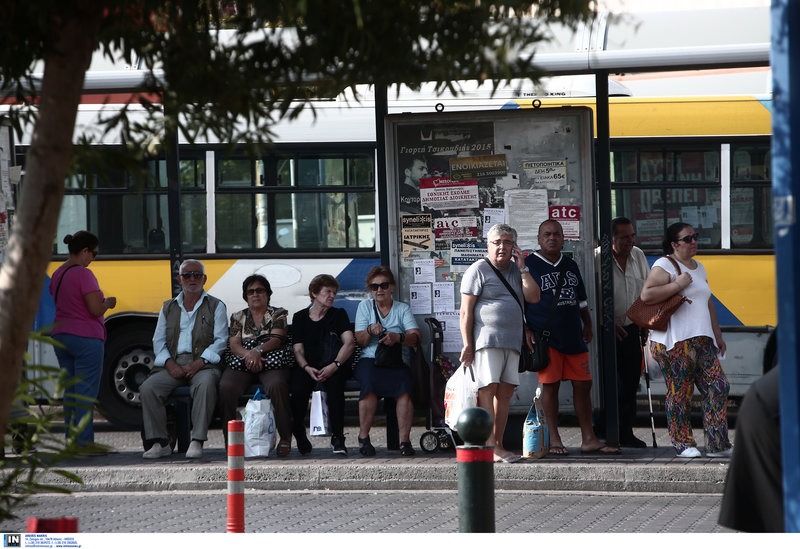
73,214
304,201
623,166
193,222
656,166
675,183
750,195
324,221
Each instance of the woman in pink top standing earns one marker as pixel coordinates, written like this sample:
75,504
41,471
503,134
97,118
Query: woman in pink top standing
79,328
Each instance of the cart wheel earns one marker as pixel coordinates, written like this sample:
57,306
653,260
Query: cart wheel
429,442
445,442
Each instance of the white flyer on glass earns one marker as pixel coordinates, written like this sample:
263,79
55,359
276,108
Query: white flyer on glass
424,270
492,216
451,331
420,298
526,209
444,297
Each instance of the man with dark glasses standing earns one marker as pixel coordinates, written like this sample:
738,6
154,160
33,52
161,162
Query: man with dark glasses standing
189,339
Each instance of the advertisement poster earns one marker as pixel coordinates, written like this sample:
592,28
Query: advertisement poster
550,174
477,167
570,219
425,150
443,193
448,228
464,253
416,233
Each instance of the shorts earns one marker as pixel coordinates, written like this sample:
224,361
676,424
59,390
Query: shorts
566,367
492,365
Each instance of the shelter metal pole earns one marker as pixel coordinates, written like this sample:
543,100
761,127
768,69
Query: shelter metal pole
785,189
606,331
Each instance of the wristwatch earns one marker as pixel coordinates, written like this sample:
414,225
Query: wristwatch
524,270
206,362
338,364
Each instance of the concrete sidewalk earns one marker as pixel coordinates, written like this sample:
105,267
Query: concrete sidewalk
634,470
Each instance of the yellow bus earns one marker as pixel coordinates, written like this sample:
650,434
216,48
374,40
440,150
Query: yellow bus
309,205
704,160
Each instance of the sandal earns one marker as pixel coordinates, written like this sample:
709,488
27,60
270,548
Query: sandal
365,447
284,447
406,449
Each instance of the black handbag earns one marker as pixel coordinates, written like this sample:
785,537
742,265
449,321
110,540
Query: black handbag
387,356
276,359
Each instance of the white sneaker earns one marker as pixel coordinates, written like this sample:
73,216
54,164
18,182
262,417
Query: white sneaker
195,450
157,451
721,454
690,452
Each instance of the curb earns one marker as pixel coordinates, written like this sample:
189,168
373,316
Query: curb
391,475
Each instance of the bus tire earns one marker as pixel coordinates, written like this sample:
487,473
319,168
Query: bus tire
128,361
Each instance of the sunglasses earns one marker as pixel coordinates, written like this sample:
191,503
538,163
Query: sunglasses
192,274
689,238
382,286
256,291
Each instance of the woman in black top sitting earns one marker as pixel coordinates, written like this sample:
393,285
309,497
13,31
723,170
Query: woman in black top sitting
323,344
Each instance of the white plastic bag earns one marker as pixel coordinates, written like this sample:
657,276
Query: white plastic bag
318,426
460,393
535,433
259,426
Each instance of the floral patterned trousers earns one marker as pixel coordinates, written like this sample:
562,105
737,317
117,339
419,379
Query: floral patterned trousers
694,362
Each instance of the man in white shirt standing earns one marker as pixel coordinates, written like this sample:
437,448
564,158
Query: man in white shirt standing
630,271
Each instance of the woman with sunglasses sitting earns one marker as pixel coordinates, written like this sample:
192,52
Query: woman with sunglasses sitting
390,325
687,351
257,354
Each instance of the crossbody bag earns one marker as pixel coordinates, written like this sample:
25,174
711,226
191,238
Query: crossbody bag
539,358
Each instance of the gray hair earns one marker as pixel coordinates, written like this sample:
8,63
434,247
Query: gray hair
502,228
193,261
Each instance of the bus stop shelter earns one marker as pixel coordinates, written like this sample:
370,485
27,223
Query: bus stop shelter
744,39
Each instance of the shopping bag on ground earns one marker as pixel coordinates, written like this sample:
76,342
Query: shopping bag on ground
460,393
535,433
259,426
319,414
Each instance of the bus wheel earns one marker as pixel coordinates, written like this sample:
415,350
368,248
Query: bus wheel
128,361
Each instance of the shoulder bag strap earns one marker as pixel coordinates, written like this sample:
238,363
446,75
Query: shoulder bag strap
506,284
677,267
552,311
377,316
60,280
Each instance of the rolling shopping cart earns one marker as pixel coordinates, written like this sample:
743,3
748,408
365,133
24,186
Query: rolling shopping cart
438,436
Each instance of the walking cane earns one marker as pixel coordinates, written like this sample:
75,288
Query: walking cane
649,396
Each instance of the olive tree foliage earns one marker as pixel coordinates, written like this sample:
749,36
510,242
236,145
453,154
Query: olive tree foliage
279,55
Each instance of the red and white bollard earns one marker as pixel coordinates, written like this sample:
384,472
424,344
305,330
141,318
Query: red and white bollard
235,476
51,525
